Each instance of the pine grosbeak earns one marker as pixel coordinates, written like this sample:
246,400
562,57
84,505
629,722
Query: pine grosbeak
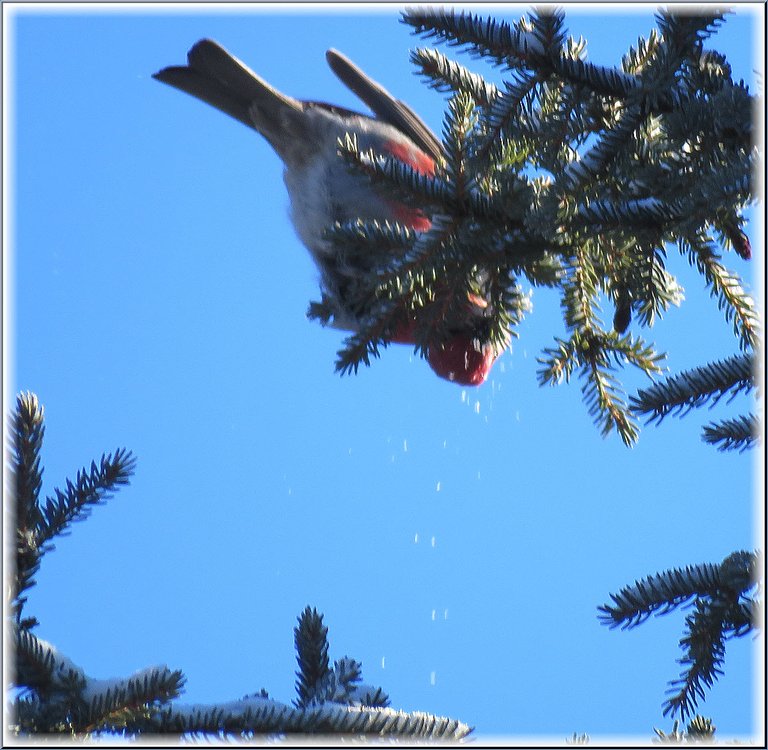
323,190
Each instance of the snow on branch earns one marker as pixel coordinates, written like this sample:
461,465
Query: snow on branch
261,715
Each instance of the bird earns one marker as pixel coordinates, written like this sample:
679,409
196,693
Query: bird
323,191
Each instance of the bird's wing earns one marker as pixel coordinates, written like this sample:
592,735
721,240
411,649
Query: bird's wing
384,105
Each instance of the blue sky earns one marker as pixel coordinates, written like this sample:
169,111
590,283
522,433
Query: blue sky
458,541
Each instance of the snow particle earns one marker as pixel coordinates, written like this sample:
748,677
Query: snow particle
432,678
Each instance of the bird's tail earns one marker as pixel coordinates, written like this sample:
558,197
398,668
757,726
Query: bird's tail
223,81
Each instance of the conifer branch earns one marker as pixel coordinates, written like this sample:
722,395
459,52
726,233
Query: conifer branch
663,592
636,59
604,80
37,524
457,129
660,594
739,433
605,402
445,75
359,238
726,286
580,172
504,43
699,729
26,436
360,348
596,354
503,112
400,179
89,488
406,293
311,640
579,301
704,644
66,699
257,717
635,214
723,609
126,705
637,156
685,31
26,433
680,393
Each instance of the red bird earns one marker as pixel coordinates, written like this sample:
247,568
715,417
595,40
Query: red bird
322,190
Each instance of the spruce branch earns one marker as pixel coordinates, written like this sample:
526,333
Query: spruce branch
579,173
400,179
331,702
66,699
343,684
699,729
640,214
579,301
502,113
704,643
680,393
311,640
256,717
660,594
457,129
127,705
603,80
653,288
26,433
402,294
37,524
26,438
91,487
505,44
638,58
723,609
359,238
573,175
360,348
446,75
683,31
681,38
739,433
605,401
727,287
596,354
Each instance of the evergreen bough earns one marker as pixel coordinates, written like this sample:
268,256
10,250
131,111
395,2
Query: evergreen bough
53,695
725,605
574,176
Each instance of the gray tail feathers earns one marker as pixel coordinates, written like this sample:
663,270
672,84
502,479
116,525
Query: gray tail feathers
221,80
